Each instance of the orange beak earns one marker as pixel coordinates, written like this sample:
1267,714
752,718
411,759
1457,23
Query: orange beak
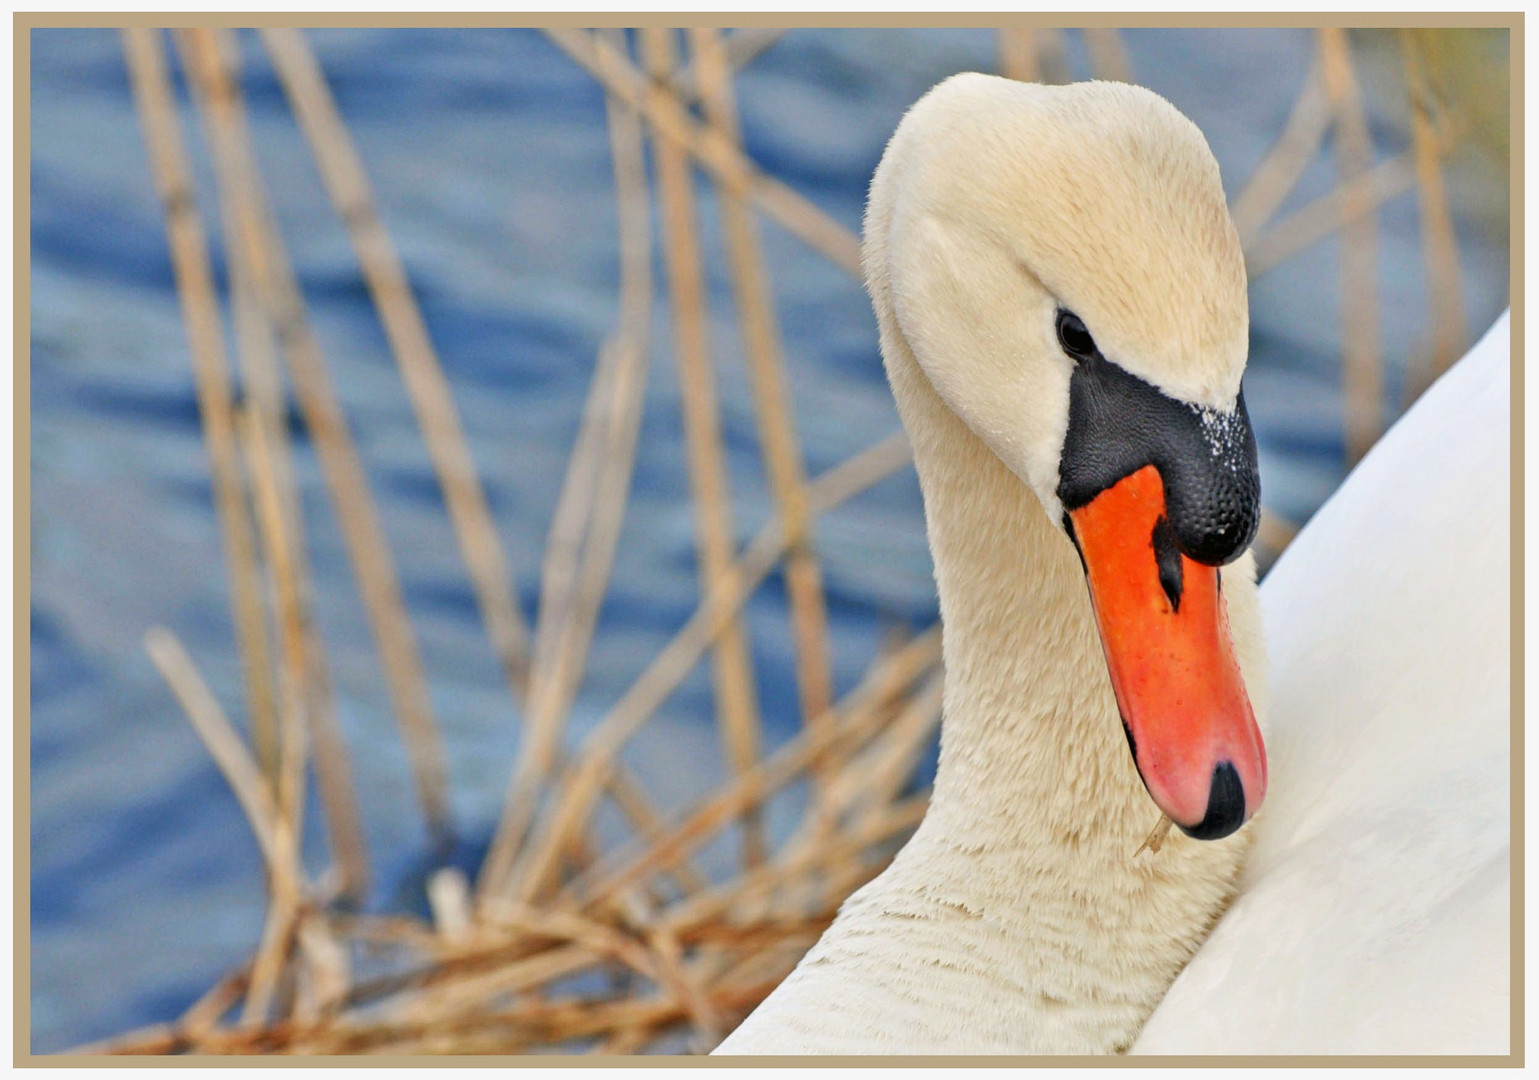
1165,629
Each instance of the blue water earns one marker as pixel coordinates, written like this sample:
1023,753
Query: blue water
490,160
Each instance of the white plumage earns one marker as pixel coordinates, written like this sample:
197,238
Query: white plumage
1373,912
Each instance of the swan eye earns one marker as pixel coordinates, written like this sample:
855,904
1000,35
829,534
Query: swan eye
1073,336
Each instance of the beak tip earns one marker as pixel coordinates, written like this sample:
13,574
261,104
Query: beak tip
1226,806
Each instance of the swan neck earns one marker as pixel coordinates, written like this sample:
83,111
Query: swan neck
1030,725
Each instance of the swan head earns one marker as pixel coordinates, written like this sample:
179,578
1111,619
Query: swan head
1060,264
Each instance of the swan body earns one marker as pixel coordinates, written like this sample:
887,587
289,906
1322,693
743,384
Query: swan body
1374,909
1018,919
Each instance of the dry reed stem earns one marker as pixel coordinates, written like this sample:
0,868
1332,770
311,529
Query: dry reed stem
1108,56
283,909
450,996
574,509
743,47
870,706
204,1014
428,389
879,685
530,1026
1052,55
571,926
219,736
631,799
737,706
152,1040
1033,55
892,756
448,894
1018,54
1310,224
211,375
1274,178
368,552
620,418
254,346
209,56
779,446
685,987
1156,838
578,597
325,975
1361,373
627,1039
747,790
590,510
882,768
691,918
670,119
276,537
595,760
278,928
1440,244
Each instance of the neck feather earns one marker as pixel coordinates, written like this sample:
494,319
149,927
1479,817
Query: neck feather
1031,734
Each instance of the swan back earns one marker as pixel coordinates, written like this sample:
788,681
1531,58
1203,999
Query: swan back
1373,914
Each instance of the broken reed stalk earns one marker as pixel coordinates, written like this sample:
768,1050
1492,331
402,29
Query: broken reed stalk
208,58
669,118
1275,177
737,706
201,319
779,446
1440,244
1362,375
428,389
218,735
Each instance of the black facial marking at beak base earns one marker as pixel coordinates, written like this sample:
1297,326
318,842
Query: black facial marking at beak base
1167,556
1068,527
1118,423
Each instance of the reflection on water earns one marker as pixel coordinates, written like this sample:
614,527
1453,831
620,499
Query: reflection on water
491,164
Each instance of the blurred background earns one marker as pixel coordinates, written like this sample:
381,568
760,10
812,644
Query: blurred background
500,279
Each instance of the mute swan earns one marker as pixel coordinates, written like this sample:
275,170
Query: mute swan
1058,285
1061,299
